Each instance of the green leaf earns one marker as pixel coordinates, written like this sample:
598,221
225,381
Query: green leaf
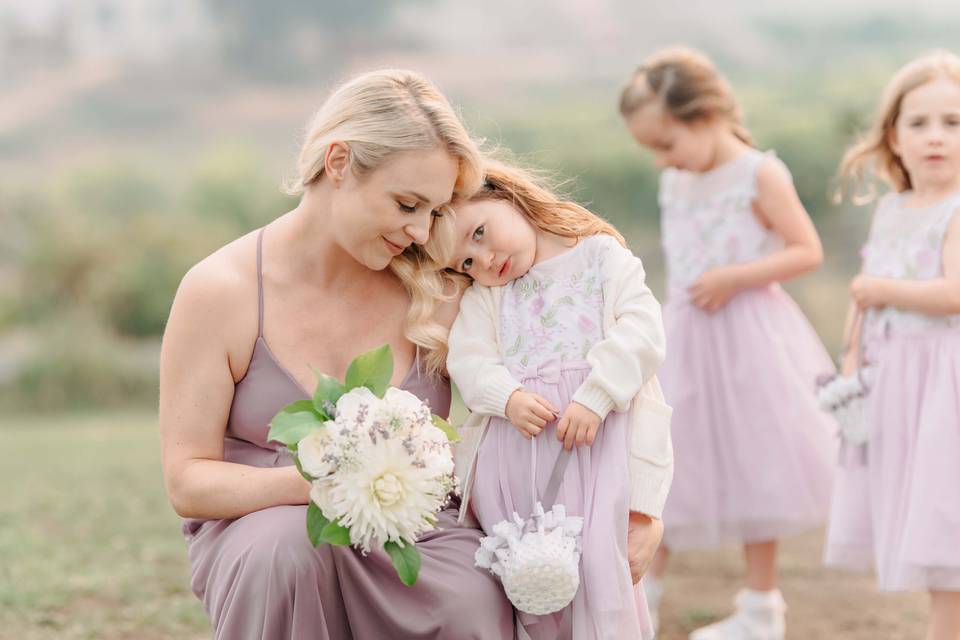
372,370
406,560
447,428
315,524
335,533
329,389
320,530
294,422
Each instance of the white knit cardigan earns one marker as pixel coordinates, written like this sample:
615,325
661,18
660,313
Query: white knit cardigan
622,377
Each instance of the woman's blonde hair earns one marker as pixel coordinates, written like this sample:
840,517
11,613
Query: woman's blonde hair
529,192
873,151
378,114
687,86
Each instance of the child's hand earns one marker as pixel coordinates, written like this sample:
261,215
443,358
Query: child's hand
867,291
714,288
529,412
643,537
579,425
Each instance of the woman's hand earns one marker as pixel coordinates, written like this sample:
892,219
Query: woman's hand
643,537
529,412
578,425
713,289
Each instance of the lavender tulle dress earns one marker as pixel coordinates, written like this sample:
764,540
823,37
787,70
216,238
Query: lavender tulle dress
753,454
259,577
896,507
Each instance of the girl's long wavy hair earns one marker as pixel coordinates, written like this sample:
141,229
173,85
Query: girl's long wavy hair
872,153
533,195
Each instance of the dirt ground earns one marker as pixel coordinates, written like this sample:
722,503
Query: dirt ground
823,603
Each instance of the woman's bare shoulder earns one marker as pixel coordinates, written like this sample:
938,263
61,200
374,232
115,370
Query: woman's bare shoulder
217,300
225,276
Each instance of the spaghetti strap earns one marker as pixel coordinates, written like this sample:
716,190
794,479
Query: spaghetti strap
260,282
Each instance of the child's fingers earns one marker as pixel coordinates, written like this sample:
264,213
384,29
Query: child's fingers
592,434
562,427
546,404
582,430
570,437
543,413
536,420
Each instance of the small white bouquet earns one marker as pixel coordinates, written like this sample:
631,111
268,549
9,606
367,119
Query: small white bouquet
378,460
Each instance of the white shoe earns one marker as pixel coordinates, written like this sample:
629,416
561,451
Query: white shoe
653,590
760,615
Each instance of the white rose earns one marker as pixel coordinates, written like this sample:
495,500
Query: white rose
401,410
437,454
356,407
321,495
311,452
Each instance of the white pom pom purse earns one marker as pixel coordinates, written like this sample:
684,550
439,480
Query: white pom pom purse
845,396
537,558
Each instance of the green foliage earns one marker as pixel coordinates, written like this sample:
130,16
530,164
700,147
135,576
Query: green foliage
294,423
320,530
372,370
447,428
229,186
90,265
406,560
73,362
328,391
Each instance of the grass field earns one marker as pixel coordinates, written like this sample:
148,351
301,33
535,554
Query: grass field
90,548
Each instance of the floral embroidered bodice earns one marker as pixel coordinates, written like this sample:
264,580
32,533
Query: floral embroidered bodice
554,313
708,220
907,243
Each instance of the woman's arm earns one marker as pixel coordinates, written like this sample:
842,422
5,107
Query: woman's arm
196,391
779,207
935,297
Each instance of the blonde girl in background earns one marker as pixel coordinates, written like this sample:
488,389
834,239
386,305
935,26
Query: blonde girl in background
903,513
753,452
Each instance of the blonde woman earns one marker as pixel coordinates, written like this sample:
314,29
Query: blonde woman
336,276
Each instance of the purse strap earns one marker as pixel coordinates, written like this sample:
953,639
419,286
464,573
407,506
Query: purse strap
856,327
556,478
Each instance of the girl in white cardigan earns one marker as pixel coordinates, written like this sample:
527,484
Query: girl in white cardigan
555,347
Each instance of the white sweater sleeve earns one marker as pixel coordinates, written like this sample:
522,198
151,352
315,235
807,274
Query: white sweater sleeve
474,360
634,346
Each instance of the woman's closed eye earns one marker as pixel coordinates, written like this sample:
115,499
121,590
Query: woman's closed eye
407,208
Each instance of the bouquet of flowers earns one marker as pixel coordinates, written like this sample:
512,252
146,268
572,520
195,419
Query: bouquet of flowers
378,461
